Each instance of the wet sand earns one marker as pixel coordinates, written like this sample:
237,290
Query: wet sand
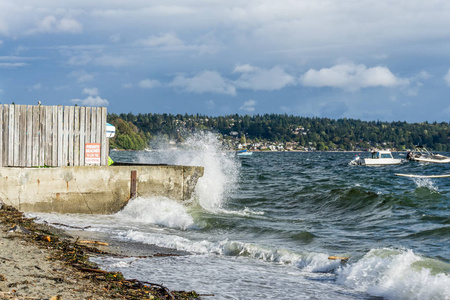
38,261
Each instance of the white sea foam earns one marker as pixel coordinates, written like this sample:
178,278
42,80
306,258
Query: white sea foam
426,183
310,261
157,210
396,274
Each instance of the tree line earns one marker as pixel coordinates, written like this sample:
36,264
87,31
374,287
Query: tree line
136,132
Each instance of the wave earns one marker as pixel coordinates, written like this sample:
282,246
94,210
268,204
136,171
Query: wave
352,202
157,210
309,261
388,273
441,232
397,274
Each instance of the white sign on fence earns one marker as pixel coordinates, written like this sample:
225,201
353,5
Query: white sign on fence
92,153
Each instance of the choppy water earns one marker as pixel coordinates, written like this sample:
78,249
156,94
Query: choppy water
263,227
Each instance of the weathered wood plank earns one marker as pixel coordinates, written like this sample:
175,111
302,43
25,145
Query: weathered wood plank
94,125
6,144
66,136
54,136
48,136
104,139
29,135
16,147
76,137
60,135
11,135
23,136
35,155
70,134
1,135
98,133
88,126
82,133
41,135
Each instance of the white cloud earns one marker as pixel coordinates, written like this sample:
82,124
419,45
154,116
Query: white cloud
244,68
149,83
168,40
205,82
352,77
82,76
255,78
171,42
112,61
51,24
90,91
36,87
91,101
127,85
447,77
13,65
115,38
248,106
96,57
80,59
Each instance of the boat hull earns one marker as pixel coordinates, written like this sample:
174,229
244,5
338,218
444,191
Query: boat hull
380,161
431,160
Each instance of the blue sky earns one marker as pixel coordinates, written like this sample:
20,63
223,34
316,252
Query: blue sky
369,60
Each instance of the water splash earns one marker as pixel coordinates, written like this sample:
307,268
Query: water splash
221,169
201,149
397,274
425,183
157,210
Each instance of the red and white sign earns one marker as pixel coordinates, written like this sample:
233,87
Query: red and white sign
92,153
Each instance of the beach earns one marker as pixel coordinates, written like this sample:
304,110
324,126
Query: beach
38,261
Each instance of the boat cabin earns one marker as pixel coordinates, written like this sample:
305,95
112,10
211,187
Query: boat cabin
382,154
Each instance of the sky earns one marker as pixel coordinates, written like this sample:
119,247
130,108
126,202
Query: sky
360,59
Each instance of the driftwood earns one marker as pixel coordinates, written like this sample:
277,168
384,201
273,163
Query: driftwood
93,270
344,259
154,284
93,242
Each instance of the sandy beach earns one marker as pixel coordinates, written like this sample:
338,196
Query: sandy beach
38,261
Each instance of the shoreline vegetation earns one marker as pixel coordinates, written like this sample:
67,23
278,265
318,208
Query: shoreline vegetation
273,132
40,261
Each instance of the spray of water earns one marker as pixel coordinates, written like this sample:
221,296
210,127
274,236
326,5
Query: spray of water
397,274
157,210
221,168
425,183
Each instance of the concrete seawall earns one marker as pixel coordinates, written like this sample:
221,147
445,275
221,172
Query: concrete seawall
95,189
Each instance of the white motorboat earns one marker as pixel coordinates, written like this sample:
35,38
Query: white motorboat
421,154
379,158
244,153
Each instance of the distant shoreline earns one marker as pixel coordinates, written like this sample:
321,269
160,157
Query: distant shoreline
265,151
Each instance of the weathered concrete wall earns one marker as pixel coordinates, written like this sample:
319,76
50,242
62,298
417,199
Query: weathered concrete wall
94,190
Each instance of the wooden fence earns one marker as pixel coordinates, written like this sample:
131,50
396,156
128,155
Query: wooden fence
38,136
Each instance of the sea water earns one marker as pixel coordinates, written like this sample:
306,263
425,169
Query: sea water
264,226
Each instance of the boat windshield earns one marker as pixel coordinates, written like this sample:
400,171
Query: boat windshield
386,155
